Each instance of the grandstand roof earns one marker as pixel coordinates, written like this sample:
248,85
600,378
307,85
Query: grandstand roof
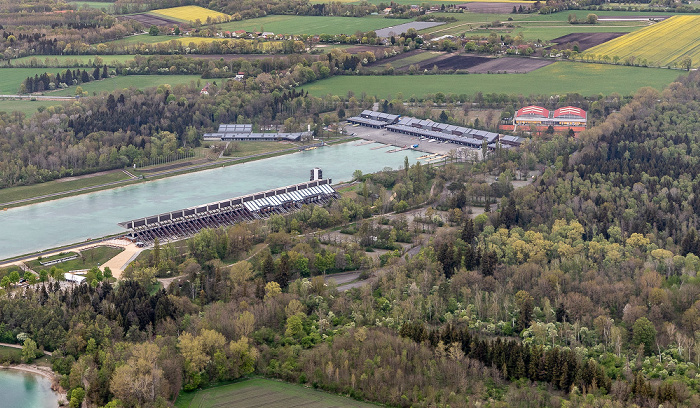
533,111
235,128
570,112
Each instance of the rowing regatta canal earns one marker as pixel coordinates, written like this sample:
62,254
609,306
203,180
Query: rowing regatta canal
74,219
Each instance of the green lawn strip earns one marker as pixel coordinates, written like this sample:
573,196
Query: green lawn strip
283,24
556,79
122,82
246,148
57,186
145,39
89,258
28,107
271,393
70,60
93,4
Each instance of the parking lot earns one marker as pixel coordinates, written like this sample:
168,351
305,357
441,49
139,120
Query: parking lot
399,139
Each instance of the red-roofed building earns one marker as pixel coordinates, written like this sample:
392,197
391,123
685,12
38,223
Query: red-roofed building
561,120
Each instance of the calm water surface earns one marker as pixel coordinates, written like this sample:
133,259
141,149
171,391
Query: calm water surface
74,219
25,390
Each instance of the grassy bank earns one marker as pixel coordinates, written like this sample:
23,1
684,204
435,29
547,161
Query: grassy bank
57,186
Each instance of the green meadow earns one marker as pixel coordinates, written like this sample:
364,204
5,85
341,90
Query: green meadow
121,82
312,24
556,79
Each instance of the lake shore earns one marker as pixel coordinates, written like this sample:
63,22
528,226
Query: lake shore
45,372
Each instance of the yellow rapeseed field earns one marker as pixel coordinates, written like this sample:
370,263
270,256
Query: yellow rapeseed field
667,43
192,13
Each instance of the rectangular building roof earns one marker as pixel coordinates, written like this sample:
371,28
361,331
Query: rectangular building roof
235,128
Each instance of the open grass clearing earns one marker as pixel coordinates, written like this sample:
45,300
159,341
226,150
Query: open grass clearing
58,186
28,107
70,60
263,392
10,355
122,82
311,24
12,78
88,258
556,79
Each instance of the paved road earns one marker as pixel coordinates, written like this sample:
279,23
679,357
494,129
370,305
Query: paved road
17,346
39,97
347,280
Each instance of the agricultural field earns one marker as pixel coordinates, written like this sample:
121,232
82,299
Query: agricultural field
311,24
585,40
397,29
405,60
484,65
556,79
152,19
121,82
144,39
70,60
666,43
260,392
191,14
537,26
